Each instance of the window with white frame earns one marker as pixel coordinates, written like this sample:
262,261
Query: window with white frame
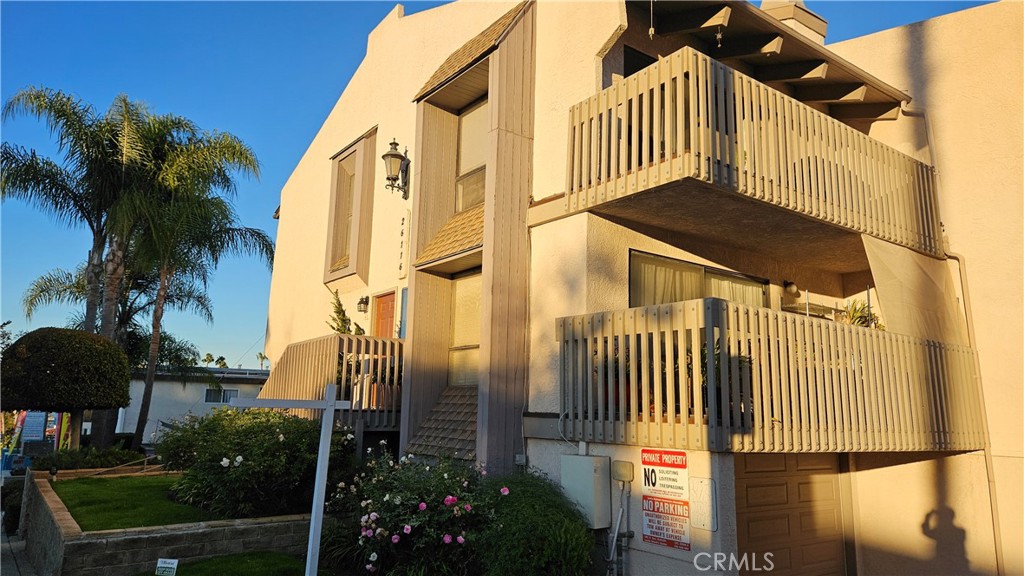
220,396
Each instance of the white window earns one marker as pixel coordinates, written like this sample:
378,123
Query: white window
222,396
464,349
658,280
472,160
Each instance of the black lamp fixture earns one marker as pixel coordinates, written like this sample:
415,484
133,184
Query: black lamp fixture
397,165
363,304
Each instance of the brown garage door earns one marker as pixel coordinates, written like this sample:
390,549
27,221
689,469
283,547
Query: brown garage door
790,505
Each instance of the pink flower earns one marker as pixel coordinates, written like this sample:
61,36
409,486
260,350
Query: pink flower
447,539
395,539
407,529
467,507
373,516
423,506
370,568
504,491
449,500
460,540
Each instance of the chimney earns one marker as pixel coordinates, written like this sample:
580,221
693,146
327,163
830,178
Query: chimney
794,14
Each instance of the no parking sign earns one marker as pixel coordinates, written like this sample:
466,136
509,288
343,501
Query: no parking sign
666,498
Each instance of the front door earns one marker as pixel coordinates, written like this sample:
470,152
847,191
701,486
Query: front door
384,315
790,505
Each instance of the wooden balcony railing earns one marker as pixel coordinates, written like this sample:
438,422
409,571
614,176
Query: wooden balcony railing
690,116
367,370
713,375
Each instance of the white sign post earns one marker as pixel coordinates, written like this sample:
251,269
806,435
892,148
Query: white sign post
328,405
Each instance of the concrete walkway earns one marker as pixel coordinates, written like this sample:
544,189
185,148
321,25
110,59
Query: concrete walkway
13,560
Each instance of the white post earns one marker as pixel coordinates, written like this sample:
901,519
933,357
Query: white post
329,404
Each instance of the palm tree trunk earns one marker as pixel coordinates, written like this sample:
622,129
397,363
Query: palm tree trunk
93,278
104,422
113,271
76,428
154,354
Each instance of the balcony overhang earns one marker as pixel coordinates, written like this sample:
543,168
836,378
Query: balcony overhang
696,209
778,55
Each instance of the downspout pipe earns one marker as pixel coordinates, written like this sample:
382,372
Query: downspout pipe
917,112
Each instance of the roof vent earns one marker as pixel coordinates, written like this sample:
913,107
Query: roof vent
794,14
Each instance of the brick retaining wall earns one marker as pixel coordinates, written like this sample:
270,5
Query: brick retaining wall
56,546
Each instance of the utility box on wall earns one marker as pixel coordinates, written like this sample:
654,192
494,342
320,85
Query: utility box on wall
586,480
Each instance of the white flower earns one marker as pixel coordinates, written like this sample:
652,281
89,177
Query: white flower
445,475
383,442
280,437
238,460
387,497
411,456
373,557
225,462
349,437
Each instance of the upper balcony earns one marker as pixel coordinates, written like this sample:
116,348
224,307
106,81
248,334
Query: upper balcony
687,143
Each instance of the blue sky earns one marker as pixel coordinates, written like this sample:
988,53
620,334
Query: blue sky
268,72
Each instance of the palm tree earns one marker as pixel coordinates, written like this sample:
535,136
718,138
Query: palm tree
261,357
221,362
83,188
187,228
207,359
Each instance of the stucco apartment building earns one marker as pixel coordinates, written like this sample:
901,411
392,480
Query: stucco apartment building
622,252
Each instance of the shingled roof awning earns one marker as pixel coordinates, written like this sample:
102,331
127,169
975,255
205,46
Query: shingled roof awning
464,232
471,52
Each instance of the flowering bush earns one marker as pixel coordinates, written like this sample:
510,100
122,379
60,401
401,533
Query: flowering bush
250,463
413,516
416,517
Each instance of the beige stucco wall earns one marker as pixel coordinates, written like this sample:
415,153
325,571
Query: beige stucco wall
966,71
890,522
651,559
568,71
415,45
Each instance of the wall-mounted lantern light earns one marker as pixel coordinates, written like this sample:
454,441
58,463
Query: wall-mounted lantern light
397,166
791,288
363,304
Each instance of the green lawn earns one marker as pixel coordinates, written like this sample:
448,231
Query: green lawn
125,502
250,564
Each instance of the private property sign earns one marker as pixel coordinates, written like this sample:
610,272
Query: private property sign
666,498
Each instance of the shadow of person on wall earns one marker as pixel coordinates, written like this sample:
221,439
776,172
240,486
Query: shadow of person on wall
950,539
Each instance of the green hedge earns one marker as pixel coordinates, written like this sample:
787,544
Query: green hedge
85,458
250,463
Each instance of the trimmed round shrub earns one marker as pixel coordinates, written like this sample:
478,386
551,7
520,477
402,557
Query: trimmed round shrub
60,370
535,530
250,463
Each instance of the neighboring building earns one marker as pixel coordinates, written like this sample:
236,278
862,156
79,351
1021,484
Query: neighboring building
175,397
631,228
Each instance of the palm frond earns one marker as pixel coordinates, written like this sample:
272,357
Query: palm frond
55,287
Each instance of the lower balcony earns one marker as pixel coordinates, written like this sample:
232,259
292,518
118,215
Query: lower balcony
713,375
367,370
